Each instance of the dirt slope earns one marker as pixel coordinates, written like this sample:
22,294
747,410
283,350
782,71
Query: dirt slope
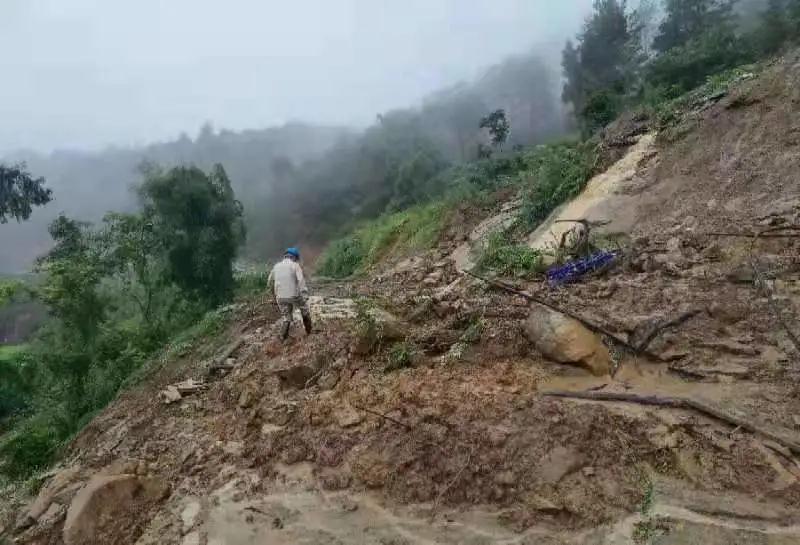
315,442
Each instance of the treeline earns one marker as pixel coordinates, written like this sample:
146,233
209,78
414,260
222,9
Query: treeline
663,48
115,292
399,161
300,183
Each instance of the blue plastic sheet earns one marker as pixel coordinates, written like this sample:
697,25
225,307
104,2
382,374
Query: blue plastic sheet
572,271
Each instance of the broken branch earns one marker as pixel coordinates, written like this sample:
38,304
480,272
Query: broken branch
682,403
589,324
678,320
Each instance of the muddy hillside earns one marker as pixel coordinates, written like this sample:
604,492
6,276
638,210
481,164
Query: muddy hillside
656,400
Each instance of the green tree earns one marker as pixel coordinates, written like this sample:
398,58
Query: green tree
775,27
686,20
413,182
72,271
498,126
600,65
20,192
199,225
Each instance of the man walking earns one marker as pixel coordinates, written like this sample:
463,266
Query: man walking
288,285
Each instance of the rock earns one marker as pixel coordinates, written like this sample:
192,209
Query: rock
727,313
170,395
588,471
296,376
246,399
103,499
558,463
506,478
539,503
796,420
53,514
328,381
347,417
61,482
497,435
566,340
731,347
741,274
443,309
189,514
233,448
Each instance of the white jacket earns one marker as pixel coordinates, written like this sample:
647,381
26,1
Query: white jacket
287,280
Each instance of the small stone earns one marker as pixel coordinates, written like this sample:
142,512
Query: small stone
245,399
558,463
497,435
506,478
348,417
277,523
588,471
189,515
542,504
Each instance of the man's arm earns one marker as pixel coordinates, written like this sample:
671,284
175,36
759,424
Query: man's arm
301,280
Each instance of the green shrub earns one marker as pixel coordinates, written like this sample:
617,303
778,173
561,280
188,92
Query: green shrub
689,65
559,172
417,228
504,257
400,356
31,446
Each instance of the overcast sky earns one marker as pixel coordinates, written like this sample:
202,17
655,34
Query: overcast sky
90,73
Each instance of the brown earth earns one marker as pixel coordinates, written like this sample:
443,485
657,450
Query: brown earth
459,445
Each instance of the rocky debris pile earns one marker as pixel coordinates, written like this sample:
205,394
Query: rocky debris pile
176,392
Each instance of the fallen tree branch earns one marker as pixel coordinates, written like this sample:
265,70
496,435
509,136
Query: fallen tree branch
589,324
682,403
220,363
751,235
450,484
678,320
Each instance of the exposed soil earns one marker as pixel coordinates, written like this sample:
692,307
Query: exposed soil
316,442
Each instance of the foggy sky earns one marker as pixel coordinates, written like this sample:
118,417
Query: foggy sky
91,73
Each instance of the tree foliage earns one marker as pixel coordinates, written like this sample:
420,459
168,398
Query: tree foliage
686,20
597,65
498,126
116,292
198,223
20,192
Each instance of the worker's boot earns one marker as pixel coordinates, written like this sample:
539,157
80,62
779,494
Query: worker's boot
307,324
285,330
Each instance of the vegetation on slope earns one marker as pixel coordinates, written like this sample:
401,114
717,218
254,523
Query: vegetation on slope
117,293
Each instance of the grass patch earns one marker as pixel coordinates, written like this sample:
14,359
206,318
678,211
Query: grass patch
559,172
507,258
10,352
400,356
416,228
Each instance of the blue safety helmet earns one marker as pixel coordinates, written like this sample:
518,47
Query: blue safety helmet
294,252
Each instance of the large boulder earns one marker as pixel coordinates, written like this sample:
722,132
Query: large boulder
566,340
106,500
